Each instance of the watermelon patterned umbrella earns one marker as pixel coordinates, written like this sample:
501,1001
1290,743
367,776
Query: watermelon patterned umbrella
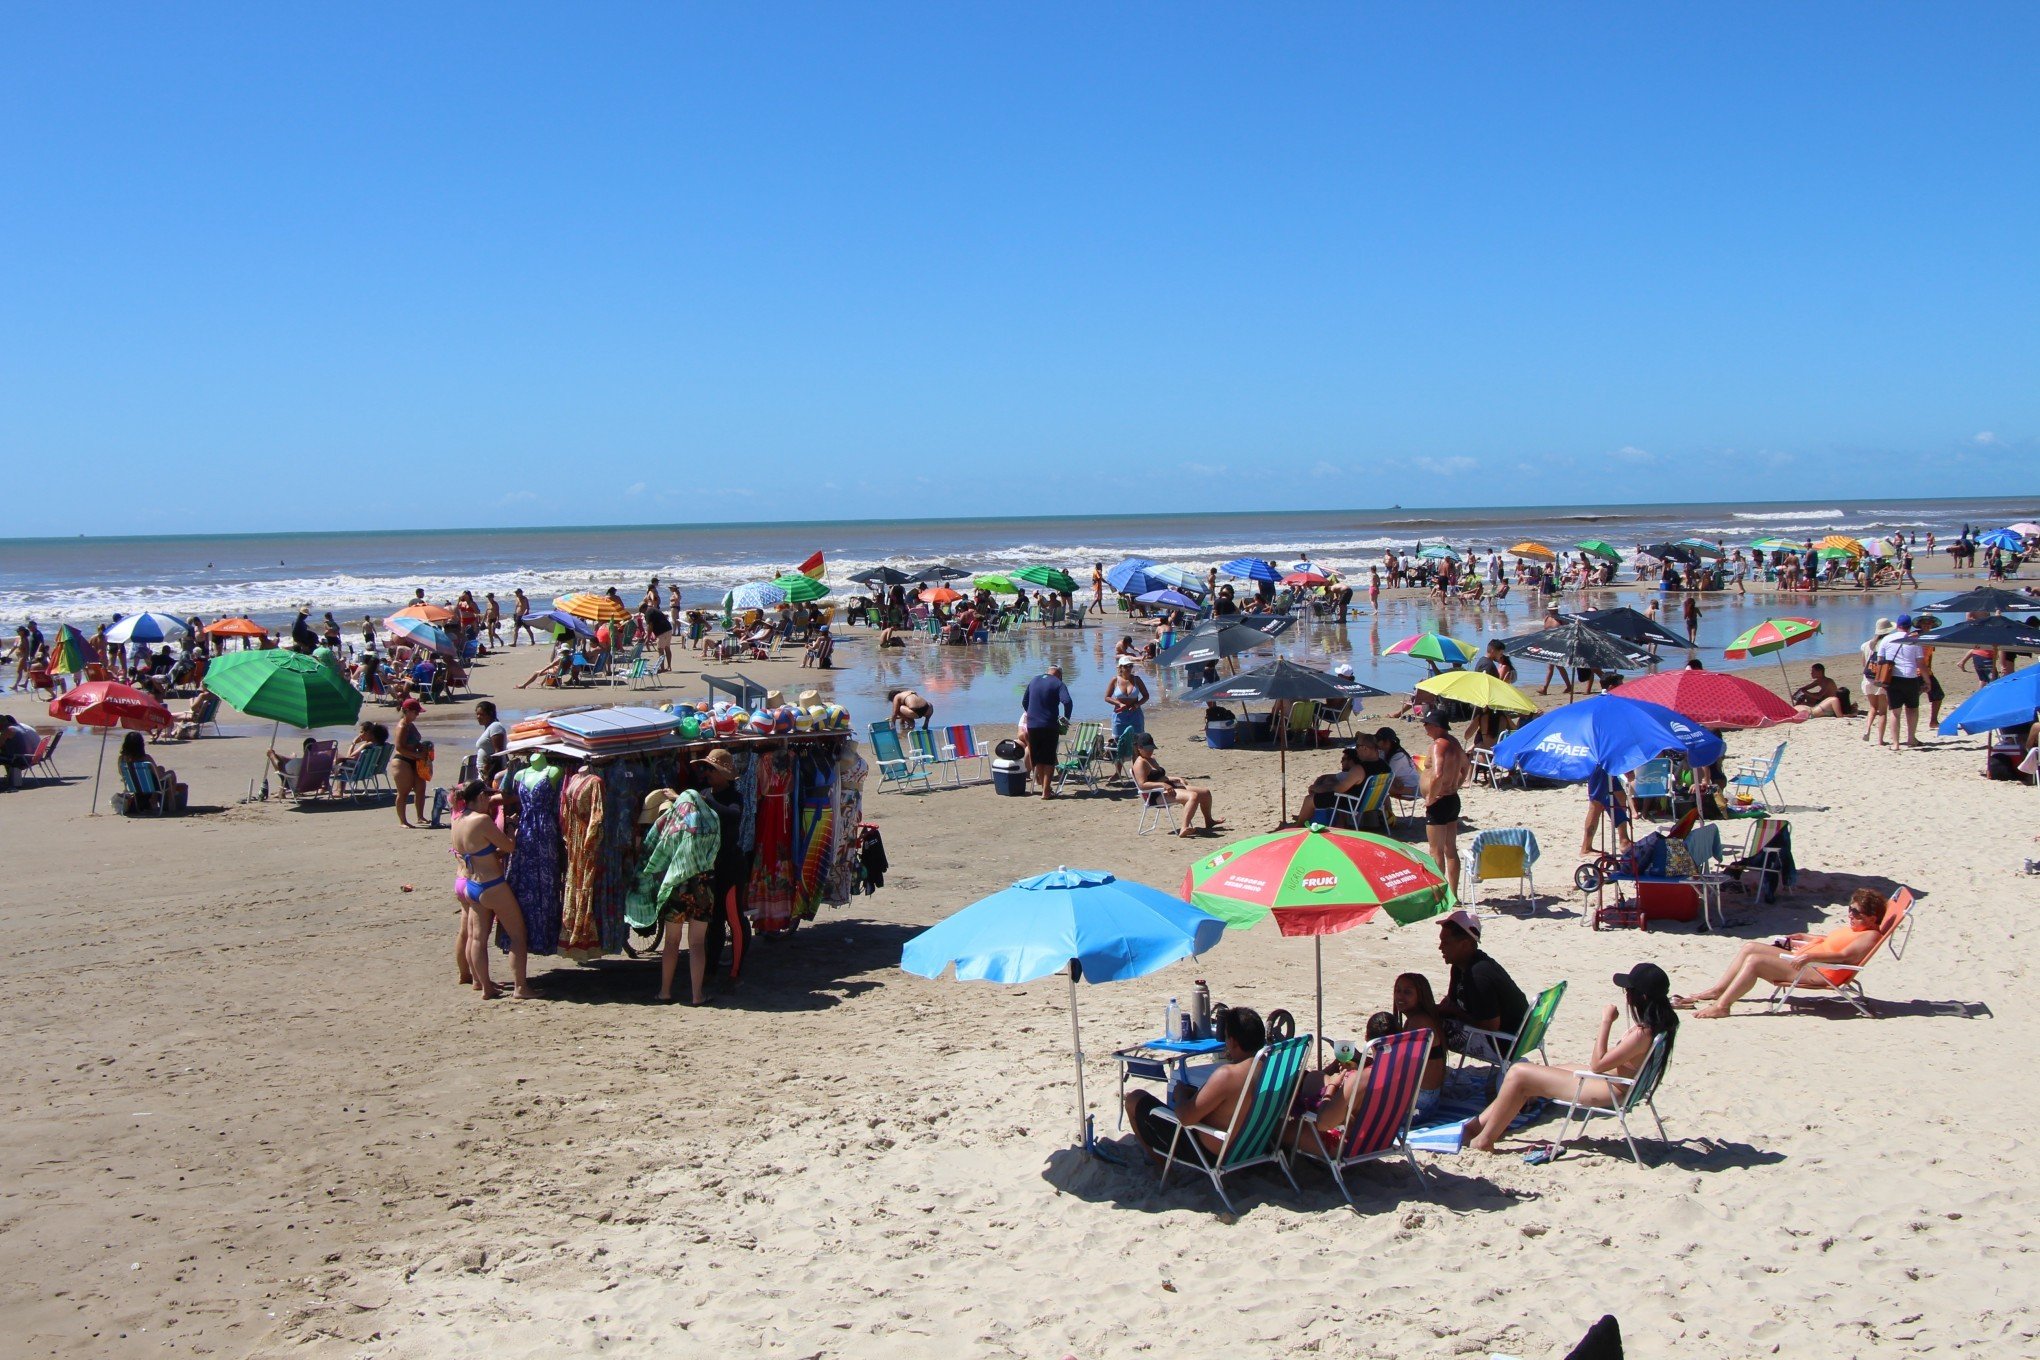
1772,635
1317,881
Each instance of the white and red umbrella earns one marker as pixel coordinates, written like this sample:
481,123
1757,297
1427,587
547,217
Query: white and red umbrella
107,705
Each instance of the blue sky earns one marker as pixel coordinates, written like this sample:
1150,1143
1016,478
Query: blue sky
360,266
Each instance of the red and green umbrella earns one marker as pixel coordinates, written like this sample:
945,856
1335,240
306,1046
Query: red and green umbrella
1772,635
70,653
1317,881
1432,647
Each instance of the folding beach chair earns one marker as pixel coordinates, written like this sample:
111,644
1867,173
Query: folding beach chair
44,761
1505,1050
368,771
895,768
314,772
1122,751
1817,980
1762,777
1079,754
1252,1135
960,747
1630,1092
1382,1114
922,749
1499,854
142,785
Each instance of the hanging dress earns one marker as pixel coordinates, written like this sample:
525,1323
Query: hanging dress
773,869
581,808
535,861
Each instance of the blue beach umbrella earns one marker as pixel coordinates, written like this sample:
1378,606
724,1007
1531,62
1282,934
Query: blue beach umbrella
1603,733
1182,578
2010,702
147,626
1438,551
1174,599
2002,538
426,634
1125,577
756,595
1250,569
1081,922
585,627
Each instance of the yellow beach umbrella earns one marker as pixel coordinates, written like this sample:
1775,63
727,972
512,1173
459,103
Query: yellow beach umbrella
1479,689
592,607
1854,547
1533,550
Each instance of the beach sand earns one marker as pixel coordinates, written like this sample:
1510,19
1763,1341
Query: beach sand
249,1112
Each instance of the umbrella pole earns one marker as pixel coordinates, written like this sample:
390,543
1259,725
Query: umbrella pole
1318,941
1077,1047
274,729
1282,745
104,733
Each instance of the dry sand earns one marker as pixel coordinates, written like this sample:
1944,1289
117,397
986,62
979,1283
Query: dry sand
249,1112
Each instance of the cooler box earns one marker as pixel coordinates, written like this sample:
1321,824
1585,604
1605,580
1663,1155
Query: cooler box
1252,730
1668,901
1219,736
1009,777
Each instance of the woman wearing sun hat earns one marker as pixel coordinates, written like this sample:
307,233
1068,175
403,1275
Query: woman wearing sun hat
1876,703
1648,993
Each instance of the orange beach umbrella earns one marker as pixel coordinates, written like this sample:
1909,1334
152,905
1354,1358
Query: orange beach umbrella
235,628
583,604
431,613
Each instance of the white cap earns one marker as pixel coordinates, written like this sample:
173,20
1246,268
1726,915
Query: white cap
1126,661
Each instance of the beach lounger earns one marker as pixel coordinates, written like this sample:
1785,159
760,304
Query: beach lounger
1816,981
1630,1092
1387,1105
896,769
314,772
1252,1135
1500,854
1762,777
1505,1050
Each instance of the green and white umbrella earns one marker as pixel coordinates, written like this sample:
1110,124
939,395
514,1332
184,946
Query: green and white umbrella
285,687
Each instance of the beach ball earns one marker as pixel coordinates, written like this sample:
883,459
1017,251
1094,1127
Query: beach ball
804,719
839,716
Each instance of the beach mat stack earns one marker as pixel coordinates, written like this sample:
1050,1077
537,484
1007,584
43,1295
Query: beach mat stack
602,730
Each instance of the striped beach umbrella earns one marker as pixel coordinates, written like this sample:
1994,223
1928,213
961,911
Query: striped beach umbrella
1432,647
427,635
70,652
1852,547
800,587
1772,636
147,626
426,610
586,604
1317,881
1247,569
1052,578
1775,545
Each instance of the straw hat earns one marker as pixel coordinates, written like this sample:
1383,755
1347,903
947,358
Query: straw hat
656,802
809,698
719,759
775,698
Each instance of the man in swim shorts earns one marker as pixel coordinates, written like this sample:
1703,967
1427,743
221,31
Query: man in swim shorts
1444,774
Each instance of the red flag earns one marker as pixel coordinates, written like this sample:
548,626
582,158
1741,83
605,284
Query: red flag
812,568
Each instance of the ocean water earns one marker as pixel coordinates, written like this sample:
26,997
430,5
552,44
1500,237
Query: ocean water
266,576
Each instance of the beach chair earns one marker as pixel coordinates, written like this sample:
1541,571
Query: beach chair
1303,723
960,747
1815,981
1122,751
314,772
1075,618
1079,755
1505,1050
1499,854
1652,781
1368,804
1154,809
368,773
1630,1092
1764,853
44,761
144,793
1252,1135
923,749
1338,718
643,671
896,769
1761,776
1385,1109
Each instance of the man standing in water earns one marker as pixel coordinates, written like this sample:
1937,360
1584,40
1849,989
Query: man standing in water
1443,776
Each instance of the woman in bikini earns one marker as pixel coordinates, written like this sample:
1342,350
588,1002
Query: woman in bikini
484,896
407,764
1417,1008
1648,992
1149,774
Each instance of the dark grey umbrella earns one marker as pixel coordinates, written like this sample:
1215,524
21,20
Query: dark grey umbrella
1218,638
937,571
1675,552
882,576
1633,625
1986,599
1278,681
1994,630
1574,645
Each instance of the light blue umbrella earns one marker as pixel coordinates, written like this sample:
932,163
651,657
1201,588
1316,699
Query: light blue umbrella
1182,578
2010,702
147,626
755,595
1174,599
1437,551
1125,576
2002,538
1081,922
1250,569
1605,733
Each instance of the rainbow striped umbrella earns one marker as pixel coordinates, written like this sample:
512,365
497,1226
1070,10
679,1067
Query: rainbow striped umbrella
1772,635
1432,647
586,604
1316,881
70,653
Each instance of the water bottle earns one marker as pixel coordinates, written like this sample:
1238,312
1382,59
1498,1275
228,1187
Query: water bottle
1169,1019
1200,1011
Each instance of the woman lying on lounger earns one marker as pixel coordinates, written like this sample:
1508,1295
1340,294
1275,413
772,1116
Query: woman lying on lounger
1648,992
1782,962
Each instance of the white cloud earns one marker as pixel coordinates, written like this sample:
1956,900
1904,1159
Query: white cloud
1629,453
1324,469
1985,438
518,498
634,489
1206,469
1447,467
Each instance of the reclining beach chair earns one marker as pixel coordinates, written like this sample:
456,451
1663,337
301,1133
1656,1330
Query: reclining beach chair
1366,804
1499,854
366,774
1762,777
896,769
1630,1092
1505,1050
314,772
1386,1107
1817,980
1252,1135
960,747
922,748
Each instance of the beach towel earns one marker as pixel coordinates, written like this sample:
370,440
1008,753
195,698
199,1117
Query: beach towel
1465,1096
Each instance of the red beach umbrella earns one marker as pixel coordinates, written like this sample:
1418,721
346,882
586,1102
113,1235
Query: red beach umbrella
1712,698
106,705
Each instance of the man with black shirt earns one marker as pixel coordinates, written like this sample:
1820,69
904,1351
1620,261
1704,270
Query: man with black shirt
1480,993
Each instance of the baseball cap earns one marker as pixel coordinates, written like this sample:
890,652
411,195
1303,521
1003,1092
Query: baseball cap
1464,919
1644,977
1905,620
1344,670
1126,661
1436,718
413,706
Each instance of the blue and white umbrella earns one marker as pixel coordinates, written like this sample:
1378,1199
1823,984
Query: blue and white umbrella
1127,577
1250,569
1082,922
755,595
1182,578
147,626
2002,538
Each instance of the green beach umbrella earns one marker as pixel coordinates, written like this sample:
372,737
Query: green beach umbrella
1598,548
1317,881
1835,554
998,583
285,687
1774,545
1702,546
1054,578
800,589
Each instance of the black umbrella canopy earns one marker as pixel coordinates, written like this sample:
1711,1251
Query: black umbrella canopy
1993,631
1282,680
937,571
1577,644
1676,552
1216,639
1987,599
882,576
1632,625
